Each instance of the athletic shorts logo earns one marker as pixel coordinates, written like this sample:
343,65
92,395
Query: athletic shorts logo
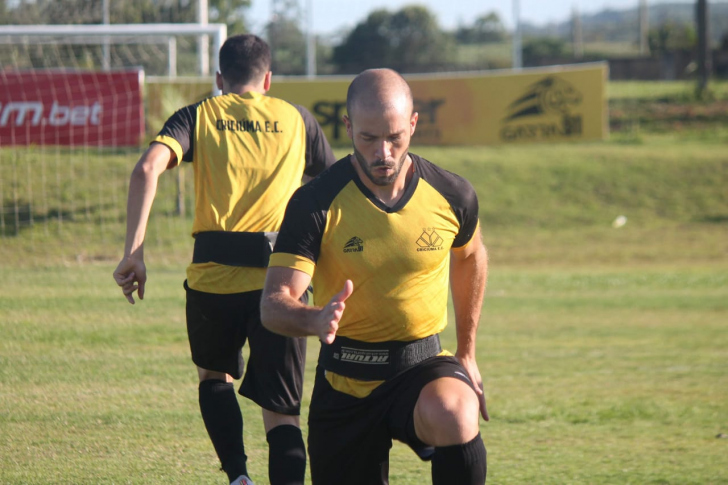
360,356
354,245
464,376
429,240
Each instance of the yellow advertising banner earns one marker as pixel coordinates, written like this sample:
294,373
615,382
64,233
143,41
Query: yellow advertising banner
554,104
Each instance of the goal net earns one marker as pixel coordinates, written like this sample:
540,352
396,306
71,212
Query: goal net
74,121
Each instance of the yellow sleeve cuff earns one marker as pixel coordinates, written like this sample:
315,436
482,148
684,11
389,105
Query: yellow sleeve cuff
172,144
294,261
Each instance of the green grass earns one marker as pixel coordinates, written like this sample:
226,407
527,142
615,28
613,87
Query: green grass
592,376
603,349
533,201
669,108
672,90
496,55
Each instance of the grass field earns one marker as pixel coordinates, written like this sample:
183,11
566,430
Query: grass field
604,350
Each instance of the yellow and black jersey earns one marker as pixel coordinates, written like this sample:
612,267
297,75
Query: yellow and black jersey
398,258
249,153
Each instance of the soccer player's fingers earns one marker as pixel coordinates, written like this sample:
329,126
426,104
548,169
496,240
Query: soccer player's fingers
330,335
473,373
140,289
345,292
123,279
129,292
478,383
477,380
483,407
332,315
327,334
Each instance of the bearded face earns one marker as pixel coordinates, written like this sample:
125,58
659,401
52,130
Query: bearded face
381,142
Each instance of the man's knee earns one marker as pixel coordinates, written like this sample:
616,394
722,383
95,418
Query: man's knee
446,413
271,420
206,374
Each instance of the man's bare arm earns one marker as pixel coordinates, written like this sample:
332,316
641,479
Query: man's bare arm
130,274
468,275
281,311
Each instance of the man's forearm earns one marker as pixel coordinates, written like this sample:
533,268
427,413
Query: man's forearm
468,280
142,189
282,314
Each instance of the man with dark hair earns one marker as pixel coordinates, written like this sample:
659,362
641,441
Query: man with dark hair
249,153
384,234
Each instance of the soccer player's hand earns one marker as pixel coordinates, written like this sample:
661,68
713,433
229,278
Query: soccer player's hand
474,373
330,314
131,275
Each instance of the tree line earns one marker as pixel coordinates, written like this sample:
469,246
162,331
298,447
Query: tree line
408,40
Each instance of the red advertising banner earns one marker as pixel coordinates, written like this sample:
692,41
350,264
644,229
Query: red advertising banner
59,107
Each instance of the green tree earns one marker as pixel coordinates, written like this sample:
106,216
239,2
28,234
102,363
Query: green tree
672,36
51,12
486,28
537,48
409,40
287,41
230,12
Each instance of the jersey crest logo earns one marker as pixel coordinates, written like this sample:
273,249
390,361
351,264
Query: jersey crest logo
354,245
429,240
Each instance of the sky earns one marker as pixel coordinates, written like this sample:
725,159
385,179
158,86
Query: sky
331,16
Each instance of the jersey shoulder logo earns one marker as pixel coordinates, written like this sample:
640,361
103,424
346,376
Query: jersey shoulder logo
429,240
354,245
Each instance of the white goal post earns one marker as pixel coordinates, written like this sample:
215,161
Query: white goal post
15,34
72,124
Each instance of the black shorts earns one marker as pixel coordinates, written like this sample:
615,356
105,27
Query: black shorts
218,327
349,438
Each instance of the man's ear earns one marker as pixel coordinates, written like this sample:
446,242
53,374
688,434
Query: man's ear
347,123
218,80
413,122
267,80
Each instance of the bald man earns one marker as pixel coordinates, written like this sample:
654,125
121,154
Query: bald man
384,234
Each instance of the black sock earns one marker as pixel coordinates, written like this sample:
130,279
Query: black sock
461,464
287,455
224,423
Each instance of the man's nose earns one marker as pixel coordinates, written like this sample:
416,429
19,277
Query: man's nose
384,150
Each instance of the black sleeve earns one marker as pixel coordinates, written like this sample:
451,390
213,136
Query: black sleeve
181,127
319,155
467,213
303,226
305,219
459,193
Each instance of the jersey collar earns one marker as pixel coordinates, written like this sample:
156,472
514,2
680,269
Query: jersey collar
408,191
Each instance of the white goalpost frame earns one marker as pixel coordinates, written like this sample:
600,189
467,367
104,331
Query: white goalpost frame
58,170
217,31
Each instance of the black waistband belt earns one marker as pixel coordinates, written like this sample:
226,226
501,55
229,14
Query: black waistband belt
249,249
379,361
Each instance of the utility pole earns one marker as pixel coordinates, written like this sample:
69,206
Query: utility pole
517,52
644,29
203,41
106,20
310,41
576,33
704,61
